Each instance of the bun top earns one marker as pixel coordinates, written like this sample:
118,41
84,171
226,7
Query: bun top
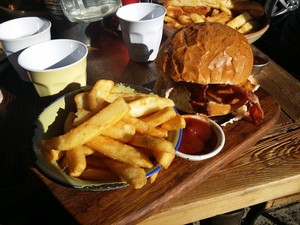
206,53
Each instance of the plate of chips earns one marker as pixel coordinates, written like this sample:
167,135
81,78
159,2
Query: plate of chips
248,17
106,137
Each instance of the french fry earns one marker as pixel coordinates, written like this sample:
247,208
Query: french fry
164,158
184,20
248,27
81,101
86,150
133,175
153,178
222,17
99,92
90,128
169,19
175,12
174,25
120,90
68,124
175,123
238,21
157,144
76,161
148,105
98,174
159,117
215,12
120,131
82,115
197,18
119,151
128,97
226,10
53,155
143,128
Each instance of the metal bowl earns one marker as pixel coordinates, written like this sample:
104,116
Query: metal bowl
259,62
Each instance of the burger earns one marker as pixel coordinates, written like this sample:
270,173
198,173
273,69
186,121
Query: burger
206,68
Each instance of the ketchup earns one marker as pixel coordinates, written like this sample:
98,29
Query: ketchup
198,137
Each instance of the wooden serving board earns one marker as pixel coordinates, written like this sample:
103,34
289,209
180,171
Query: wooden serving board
130,206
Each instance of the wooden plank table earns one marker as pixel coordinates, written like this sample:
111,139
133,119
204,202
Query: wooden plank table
266,171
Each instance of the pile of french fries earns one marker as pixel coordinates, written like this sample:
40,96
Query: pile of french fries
115,134
243,17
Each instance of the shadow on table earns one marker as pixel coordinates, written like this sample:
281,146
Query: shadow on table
20,207
24,198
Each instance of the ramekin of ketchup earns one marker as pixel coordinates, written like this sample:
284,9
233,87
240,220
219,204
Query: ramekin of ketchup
202,138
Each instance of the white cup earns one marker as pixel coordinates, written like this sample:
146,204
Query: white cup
18,34
56,66
142,29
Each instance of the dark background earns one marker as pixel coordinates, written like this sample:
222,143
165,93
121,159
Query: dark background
281,42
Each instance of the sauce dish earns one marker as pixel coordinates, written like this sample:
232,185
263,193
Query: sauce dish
202,138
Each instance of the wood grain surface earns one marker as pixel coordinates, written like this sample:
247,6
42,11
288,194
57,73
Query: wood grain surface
266,171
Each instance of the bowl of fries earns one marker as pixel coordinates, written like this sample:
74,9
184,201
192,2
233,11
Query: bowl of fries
247,17
106,137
